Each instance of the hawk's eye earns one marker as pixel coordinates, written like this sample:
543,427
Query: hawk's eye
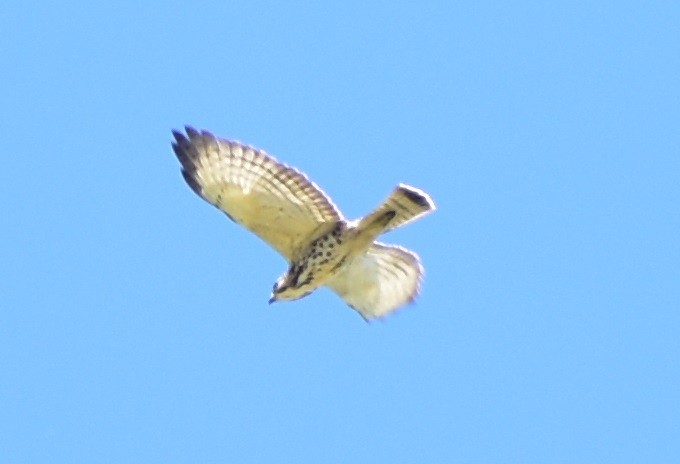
279,287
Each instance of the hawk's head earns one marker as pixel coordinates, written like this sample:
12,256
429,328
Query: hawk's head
287,287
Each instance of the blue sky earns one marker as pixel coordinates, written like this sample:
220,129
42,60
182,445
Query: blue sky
134,324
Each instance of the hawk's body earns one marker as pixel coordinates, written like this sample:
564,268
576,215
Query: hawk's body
290,213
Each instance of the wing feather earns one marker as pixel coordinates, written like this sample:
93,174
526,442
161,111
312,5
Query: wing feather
379,282
275,201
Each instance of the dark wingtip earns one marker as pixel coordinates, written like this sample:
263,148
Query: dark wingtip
191,181
182,147
179,136
191,132
206,133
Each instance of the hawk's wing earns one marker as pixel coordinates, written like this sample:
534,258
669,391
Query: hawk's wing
276,202
380,281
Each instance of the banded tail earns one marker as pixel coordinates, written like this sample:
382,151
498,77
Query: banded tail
405,204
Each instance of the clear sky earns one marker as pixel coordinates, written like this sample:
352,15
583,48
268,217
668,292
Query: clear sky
134,324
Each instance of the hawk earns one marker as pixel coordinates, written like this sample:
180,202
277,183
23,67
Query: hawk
288,211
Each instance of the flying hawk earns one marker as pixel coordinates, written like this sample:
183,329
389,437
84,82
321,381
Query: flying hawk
288,211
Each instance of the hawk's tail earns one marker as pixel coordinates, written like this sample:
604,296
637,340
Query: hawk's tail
404,204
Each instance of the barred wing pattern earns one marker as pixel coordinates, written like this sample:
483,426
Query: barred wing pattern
380,281
276,202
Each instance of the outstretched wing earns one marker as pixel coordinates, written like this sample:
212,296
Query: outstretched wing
380,281
276,202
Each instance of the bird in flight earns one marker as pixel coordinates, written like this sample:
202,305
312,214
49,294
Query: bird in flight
289,212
